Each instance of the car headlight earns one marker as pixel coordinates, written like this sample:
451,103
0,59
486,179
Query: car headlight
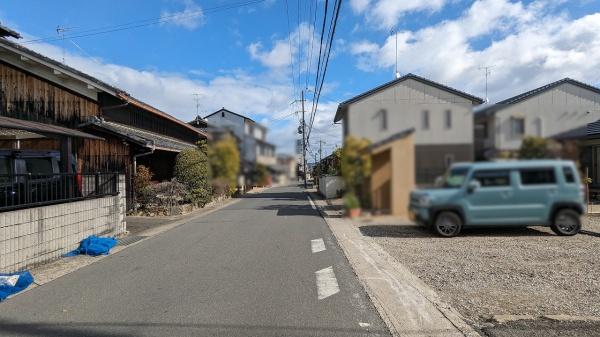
424,201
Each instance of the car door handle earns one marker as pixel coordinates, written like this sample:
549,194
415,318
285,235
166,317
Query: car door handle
506,194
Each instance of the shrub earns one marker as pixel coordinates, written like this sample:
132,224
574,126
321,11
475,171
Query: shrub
261,175
166,198
193,171
224,158
533,147
351,201
142,182
356,166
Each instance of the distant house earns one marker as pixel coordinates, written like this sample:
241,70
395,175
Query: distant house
559,110
441,117
254,148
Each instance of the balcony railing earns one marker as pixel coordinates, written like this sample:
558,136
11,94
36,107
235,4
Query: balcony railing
19,191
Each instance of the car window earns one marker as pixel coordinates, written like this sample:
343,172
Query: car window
455,177
569,175
39,165
492,178
538,176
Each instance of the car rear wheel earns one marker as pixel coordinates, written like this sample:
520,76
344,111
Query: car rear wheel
447,224
566,222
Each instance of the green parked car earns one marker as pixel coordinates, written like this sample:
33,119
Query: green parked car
506,193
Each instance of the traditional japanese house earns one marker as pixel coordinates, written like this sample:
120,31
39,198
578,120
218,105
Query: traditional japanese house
46,105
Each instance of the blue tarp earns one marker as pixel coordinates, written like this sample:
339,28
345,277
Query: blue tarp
6,283
94,246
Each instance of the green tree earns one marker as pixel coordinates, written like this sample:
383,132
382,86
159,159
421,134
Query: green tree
534,147
193,171
224,158
261,175
356,166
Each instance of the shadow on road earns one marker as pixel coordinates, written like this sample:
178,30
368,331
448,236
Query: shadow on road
111,329
413,231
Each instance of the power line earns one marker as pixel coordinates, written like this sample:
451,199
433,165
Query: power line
145,23
332,27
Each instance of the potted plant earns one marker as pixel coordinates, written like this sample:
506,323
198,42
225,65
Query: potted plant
352,205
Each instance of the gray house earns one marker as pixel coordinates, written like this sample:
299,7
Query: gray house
254,148
441,117
559,110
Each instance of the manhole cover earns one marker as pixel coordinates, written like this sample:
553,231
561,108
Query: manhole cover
130,239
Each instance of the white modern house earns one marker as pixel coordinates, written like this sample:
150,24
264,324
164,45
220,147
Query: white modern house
559,110
441,116
254,148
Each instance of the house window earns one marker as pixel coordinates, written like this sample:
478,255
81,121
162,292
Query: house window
381,117
425,120
517,126
222,113
538,127
448,119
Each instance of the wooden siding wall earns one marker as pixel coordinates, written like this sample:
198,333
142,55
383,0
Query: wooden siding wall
109,155
26,96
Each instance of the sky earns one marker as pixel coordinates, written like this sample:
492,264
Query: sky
196,56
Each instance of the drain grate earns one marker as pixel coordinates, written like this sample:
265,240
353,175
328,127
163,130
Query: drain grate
130,239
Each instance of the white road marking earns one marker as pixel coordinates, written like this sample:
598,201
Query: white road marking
364,325
317,245
312,204
327,284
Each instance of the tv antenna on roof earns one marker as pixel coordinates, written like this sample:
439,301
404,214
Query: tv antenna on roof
488,73
394,31
60,30
197,100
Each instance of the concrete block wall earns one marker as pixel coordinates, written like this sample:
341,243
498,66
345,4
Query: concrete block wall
33,236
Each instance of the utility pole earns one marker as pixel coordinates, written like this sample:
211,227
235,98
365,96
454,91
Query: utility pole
321,150
303,140
488,73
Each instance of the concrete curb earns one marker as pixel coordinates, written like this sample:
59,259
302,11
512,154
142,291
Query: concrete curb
385,279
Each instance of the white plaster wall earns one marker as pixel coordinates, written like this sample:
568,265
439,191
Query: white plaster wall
404,103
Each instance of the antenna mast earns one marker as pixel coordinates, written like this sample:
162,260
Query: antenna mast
488,73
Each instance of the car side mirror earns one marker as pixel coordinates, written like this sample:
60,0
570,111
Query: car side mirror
473,186
439,181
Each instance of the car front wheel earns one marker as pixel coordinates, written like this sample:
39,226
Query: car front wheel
447,224
566,222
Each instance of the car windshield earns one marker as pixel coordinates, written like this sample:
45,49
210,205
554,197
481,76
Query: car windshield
454,178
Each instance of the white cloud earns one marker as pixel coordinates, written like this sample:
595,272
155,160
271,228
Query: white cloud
260,96
359,6
290,49
530,47
364,47
191,17
385,14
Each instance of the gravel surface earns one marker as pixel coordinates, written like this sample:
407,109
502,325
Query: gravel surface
488,272
544,328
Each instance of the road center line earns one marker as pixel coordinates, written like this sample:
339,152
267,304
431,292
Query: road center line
317,245
327,284
312,204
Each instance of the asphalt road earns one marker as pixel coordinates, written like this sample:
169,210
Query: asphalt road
246,270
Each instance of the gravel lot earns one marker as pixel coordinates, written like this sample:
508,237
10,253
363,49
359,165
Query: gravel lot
488,272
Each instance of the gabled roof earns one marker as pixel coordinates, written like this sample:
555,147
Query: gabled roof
86,78
139,136
493,108
231,112
474,99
